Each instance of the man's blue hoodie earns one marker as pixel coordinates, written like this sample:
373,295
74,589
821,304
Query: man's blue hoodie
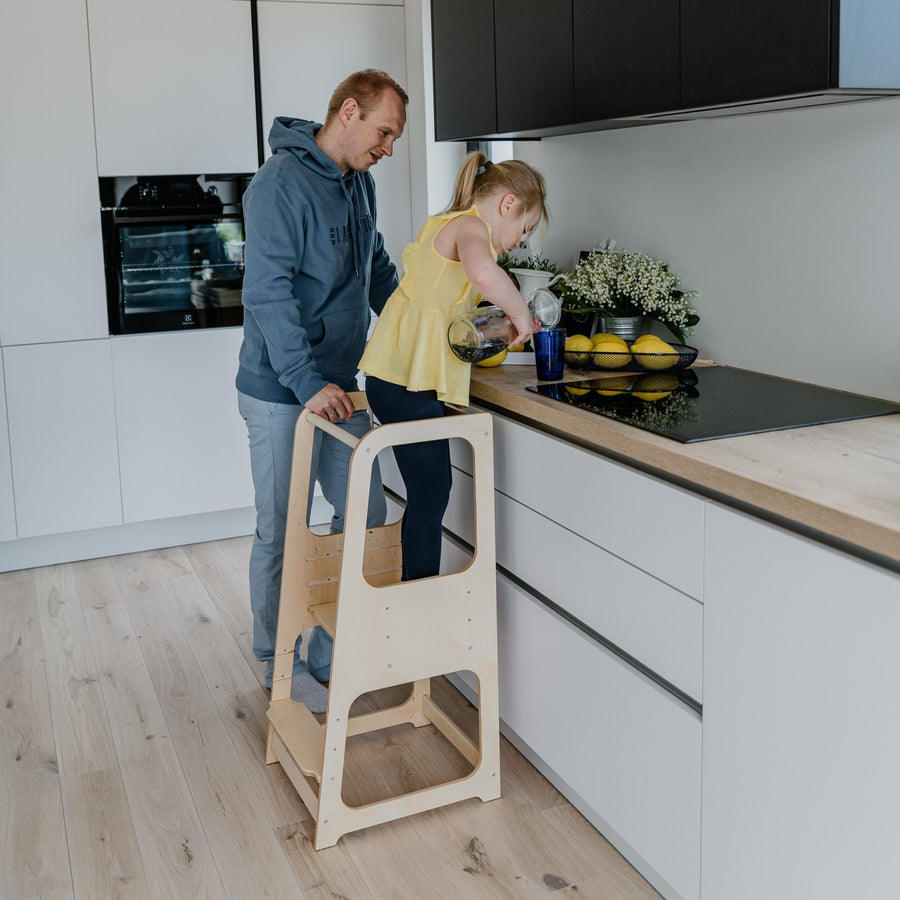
314,264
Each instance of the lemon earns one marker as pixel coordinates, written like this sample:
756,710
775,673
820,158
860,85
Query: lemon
611,355
516,349
602,336
576,391
656,355
649,345
650,395
615,384
579,342
611,387
574,347
645,337
494,360
661,382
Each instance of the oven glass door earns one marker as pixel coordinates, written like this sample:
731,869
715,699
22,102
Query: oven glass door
179,274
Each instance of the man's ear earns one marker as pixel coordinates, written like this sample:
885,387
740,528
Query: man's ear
348,108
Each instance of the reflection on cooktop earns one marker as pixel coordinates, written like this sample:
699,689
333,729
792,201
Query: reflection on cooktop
712,402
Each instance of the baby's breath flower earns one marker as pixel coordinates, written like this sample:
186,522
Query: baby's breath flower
625,283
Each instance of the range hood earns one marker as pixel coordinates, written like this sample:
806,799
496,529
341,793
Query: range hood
767,104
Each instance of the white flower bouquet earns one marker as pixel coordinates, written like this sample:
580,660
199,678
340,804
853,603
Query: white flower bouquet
625,283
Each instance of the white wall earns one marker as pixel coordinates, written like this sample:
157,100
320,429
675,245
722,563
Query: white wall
788,223
433,165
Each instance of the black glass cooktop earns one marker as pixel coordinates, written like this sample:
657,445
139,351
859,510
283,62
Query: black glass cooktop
712,402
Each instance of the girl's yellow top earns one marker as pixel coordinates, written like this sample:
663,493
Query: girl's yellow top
409,344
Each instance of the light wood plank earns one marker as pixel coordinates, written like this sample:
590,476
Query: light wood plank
236,693
134,711
324,874
106,859
83,738
616,878
33,851
223,567
302,734
492,852
399,864
237,551
177,859
599,889
245,846
476,859
176,678
326,615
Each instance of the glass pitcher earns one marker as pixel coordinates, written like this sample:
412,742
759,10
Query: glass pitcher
486,330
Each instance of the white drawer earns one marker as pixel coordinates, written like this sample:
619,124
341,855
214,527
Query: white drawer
641,519
621,744
647,618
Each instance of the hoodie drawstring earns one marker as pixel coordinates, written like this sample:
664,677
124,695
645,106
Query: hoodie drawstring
356,237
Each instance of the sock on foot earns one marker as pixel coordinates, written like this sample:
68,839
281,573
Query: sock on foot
305,689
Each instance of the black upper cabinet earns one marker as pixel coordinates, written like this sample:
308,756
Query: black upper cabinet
626,57
465,99
735,50
540,67
534,64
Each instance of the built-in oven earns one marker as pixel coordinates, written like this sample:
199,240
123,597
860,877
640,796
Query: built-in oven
173,249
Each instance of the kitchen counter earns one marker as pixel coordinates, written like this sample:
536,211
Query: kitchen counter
839,483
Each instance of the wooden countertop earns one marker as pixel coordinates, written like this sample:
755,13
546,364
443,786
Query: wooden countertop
838,482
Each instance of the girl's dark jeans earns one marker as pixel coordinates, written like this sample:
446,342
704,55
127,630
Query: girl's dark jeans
425,468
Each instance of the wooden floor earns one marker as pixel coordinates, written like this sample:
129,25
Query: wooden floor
132,733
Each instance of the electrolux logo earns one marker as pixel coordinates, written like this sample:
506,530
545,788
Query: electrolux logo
188,319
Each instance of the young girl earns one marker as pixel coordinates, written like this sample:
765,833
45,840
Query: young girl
410,369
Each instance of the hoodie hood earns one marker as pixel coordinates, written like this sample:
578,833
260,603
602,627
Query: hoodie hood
298,137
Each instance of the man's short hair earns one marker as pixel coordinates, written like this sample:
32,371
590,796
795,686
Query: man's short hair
366,88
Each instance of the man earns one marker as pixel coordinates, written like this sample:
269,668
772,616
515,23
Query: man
315,265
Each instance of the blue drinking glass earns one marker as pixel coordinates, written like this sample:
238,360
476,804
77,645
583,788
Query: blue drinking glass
548,353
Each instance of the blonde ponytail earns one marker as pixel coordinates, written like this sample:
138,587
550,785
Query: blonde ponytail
478,176
464,189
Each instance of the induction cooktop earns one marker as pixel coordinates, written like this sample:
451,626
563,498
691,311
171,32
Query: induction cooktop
712,402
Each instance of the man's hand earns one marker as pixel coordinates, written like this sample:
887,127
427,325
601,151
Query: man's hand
331,403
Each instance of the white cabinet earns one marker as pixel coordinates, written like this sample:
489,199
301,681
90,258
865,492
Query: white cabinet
51,271
62,437
801,718
627,749
173,86
644,617
7,498
306,50
182,443
650,524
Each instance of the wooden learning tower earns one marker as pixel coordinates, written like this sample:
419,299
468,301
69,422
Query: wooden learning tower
386,632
